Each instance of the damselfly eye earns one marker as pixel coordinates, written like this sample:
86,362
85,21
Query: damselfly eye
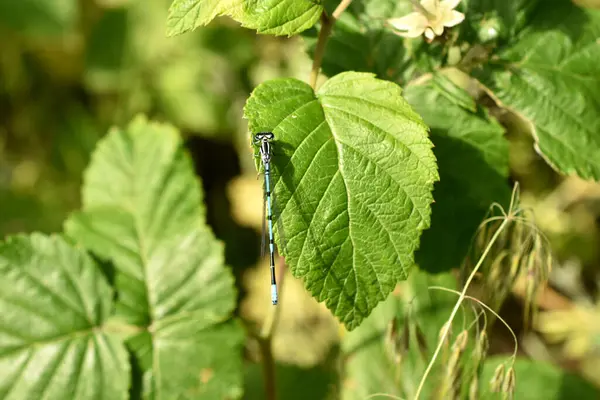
260,136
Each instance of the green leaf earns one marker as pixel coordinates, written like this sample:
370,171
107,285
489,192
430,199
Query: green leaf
540,380
39,17
276,17
551,77
374,363
472,156
54,302
142,210
354,172
453,92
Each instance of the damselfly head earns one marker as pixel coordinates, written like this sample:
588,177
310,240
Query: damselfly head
263,136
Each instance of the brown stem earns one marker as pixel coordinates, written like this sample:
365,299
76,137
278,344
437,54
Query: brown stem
268,369
326,27
265,339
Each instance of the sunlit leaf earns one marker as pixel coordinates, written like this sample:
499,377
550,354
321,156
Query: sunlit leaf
277,17
53,343
354,174
143,211
551,77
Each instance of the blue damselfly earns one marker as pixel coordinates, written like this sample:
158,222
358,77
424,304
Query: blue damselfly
263,140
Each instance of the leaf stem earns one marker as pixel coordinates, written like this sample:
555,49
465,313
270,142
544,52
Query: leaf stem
462,296
327,23
268,369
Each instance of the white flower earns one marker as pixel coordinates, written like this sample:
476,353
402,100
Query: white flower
430,18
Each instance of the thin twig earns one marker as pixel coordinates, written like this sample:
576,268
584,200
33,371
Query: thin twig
340,9
462,296
327,23
389,396
482,304
268,369
265,339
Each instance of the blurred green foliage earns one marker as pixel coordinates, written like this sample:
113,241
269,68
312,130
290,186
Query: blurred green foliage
71,69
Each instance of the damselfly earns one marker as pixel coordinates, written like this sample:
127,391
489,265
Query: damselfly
263,140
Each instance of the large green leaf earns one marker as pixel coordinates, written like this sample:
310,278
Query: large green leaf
551,77
143,211
54,302
277,17
472,156
540,380
354,174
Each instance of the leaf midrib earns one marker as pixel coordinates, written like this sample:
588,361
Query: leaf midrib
91,331
70,306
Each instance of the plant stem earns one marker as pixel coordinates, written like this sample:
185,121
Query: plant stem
268,369
265,339
326,27
340,8
458,304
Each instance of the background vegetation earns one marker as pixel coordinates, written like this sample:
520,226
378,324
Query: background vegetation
70,70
